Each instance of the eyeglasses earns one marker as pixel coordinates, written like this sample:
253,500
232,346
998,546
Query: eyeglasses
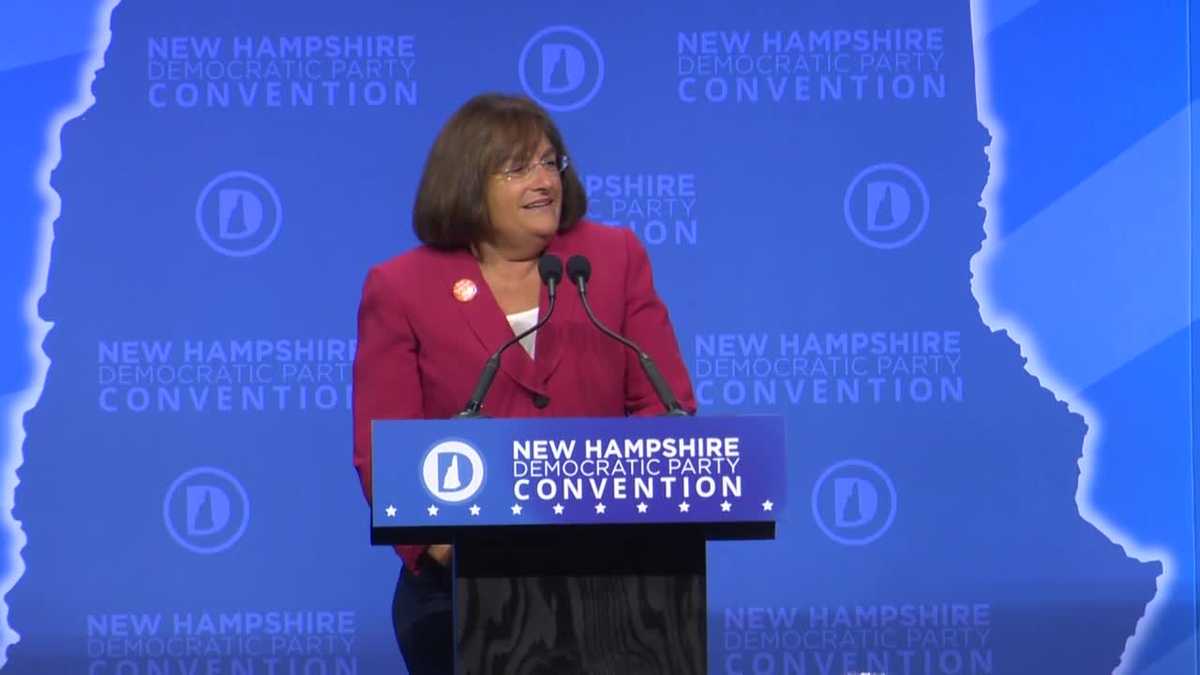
556,164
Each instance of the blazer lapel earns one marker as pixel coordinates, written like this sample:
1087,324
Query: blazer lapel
488,323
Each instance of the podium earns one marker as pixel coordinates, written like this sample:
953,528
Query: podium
579,542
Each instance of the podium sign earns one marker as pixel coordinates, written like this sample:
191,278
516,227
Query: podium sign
435,474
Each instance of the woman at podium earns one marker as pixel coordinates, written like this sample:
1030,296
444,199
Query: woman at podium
498,191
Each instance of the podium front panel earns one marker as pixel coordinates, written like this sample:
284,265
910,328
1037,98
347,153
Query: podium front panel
430,475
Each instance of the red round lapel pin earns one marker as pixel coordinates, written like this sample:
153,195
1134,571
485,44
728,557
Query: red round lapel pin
464,290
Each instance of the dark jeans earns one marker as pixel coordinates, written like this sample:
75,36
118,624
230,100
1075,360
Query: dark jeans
422,616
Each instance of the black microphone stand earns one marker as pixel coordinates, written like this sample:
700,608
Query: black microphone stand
580,271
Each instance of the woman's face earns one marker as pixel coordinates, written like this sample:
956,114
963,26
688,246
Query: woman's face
524,200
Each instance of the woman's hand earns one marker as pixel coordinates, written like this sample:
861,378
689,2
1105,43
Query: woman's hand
440,553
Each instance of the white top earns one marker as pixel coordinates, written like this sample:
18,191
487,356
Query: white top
521,322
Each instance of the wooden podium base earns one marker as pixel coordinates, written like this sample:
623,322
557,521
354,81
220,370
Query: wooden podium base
587,601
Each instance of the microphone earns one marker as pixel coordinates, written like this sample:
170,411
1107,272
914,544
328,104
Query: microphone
579,270
550,269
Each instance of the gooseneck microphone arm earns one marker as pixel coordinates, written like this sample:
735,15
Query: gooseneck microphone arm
579,270
550,270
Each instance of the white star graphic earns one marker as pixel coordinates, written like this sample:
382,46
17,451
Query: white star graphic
474,509
558,509
516,509
684,506
433,510
641,507
600,507
768,505
390,511
725,506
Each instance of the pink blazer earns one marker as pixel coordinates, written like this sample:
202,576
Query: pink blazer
420,349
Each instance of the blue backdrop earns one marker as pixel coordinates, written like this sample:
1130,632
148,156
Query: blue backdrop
949,241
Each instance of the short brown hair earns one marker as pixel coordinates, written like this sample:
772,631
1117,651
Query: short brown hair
486,132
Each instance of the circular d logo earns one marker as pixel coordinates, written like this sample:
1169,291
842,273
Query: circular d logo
561,67
238,214
854,502
886,206
206,510
452,471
